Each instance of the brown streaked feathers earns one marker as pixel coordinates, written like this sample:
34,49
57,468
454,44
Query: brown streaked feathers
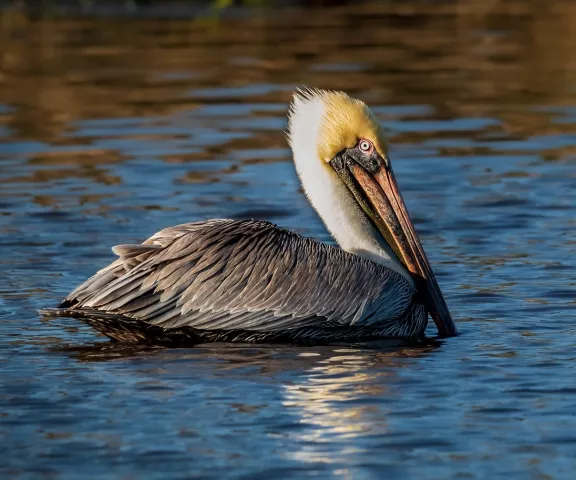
243,281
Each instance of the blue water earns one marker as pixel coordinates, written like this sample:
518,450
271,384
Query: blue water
107,137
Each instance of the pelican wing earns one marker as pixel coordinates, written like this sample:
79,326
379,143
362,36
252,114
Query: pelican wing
249,275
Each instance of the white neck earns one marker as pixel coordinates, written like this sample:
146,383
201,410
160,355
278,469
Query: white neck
338,209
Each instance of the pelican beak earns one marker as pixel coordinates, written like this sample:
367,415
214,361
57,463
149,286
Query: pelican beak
383,203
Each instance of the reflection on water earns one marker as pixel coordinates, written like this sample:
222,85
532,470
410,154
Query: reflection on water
335,400
113,129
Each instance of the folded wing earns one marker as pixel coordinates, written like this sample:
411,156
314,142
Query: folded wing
248,275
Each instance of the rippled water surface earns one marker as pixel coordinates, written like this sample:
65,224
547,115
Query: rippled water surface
113,129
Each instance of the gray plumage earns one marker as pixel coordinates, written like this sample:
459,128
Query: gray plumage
250,281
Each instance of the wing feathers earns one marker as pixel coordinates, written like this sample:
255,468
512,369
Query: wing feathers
249,275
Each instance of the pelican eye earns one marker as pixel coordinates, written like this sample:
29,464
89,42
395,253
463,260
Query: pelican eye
365,146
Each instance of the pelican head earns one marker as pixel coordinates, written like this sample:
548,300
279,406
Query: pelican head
341,156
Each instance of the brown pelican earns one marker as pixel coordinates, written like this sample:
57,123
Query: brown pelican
251,281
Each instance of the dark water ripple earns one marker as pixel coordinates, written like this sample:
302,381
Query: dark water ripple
110,131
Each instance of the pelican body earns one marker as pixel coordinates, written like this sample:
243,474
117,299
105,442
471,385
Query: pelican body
251,281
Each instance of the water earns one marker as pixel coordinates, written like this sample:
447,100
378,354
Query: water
113,129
